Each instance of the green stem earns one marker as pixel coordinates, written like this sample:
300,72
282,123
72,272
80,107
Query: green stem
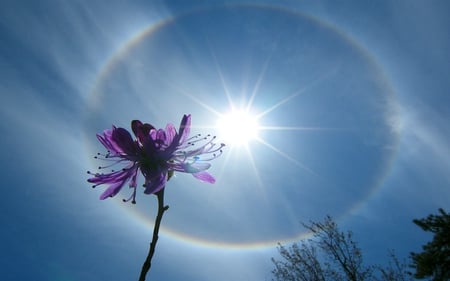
161,209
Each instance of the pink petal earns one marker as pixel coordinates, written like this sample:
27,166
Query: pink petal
205,177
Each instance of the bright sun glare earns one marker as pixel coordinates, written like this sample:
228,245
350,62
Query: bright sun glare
237,127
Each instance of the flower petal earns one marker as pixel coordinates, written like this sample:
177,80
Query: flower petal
108,143
141,131
155,184
196,167
116,180
170,133
185,128
160,138
122,139
205,177
112,190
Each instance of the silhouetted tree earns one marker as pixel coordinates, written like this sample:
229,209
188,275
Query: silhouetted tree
434,261
331,255
394,271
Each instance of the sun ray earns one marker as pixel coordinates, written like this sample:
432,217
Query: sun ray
202,104
222,80
241,115
288,128
227,159
258,83
255,169
186,94
297,93
285,155
280,103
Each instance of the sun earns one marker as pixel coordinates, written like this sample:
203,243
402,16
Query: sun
237,127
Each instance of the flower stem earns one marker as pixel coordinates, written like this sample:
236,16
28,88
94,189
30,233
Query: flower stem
161,209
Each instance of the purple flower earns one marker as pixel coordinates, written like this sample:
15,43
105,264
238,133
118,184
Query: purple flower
156,153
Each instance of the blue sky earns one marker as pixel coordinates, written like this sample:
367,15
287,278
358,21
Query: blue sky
351,101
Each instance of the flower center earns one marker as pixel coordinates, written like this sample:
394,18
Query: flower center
153,163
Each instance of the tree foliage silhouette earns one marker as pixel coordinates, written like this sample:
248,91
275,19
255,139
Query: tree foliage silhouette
434,261
331,255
